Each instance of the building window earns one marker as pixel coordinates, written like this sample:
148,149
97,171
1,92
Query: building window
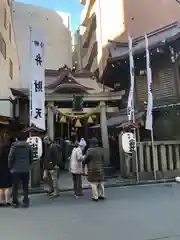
5,18
2,46
10,32
10,69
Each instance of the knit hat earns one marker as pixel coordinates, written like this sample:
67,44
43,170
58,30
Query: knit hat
82,142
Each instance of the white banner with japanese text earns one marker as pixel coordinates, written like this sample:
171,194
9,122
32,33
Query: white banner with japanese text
130,110
149,83
38,81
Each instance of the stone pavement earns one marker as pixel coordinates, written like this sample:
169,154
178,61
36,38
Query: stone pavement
148,212
65,183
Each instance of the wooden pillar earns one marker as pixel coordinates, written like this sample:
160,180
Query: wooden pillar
148,159
177,163
121,157
104,132
156,157
163,158
170,158
50,120
86,129
127,166
141,157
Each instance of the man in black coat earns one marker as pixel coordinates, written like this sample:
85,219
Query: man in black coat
20,161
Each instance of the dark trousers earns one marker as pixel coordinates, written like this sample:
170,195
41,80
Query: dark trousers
22,178
49,181
77,184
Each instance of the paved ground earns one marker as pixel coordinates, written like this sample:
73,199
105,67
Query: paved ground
65,181
129,213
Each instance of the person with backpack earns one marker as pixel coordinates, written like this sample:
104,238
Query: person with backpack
52,162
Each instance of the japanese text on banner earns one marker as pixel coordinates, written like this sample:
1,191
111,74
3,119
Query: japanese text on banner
37,83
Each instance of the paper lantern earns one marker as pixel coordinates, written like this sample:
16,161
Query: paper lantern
78,124
37,146
90,120
63,119
128,142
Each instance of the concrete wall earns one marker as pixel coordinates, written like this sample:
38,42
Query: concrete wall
147,16
76,48
135,17
109,16
116,18
55,28
11,54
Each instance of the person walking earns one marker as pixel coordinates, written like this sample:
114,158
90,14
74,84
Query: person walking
5,175
94,159
52,162
76,167
20,161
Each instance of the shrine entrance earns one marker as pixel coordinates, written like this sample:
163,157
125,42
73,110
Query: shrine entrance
75,101
74,129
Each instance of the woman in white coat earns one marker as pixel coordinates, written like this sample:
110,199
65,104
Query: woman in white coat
76,167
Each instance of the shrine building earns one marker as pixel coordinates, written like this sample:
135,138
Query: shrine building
75,101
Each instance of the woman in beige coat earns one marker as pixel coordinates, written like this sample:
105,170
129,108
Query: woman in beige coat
76,167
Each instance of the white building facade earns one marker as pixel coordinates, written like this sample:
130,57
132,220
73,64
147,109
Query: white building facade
9,63
54,26
77,47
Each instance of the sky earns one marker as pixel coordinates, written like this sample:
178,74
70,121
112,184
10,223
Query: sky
70,6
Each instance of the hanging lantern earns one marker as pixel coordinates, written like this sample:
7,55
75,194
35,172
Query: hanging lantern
78,124
90,120
94,117
63,119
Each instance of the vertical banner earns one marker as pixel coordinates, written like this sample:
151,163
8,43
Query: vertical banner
37,81
149,83
149,119
130,106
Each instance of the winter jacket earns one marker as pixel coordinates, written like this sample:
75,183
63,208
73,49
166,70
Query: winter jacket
94,160
20,157
76,161
52,156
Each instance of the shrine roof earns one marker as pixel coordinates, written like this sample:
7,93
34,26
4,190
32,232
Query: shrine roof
156,38
65,78
64,97
66,82
33,129
120,119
